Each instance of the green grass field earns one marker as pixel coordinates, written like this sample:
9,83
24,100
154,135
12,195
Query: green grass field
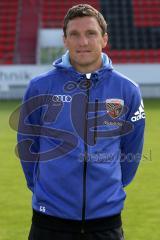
141,216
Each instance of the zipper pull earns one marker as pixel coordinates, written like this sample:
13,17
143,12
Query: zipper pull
88,75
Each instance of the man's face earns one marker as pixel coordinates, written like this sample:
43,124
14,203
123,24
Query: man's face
84,41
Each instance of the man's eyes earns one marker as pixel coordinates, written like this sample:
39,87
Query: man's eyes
89,33
74,34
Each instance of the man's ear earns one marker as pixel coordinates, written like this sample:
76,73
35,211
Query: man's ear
65,42
105,40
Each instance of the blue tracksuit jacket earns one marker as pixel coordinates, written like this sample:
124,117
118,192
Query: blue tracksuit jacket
80,140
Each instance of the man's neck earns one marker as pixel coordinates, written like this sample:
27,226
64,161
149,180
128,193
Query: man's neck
87,69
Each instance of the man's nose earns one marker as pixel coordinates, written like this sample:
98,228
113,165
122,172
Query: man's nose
83,40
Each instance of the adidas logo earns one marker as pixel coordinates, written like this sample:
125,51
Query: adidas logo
140,114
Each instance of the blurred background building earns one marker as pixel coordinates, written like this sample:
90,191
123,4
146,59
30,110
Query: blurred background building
31,38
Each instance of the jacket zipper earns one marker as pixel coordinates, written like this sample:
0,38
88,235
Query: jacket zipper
85,160
95,122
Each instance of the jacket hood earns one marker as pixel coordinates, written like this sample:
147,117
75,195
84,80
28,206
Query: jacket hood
64,62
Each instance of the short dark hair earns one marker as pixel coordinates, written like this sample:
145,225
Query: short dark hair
84,10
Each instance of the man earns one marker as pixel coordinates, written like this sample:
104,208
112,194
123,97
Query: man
80,137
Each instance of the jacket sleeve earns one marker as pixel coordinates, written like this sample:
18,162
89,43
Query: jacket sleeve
28,141
132,143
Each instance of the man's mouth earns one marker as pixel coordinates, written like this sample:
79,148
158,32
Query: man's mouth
83,51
